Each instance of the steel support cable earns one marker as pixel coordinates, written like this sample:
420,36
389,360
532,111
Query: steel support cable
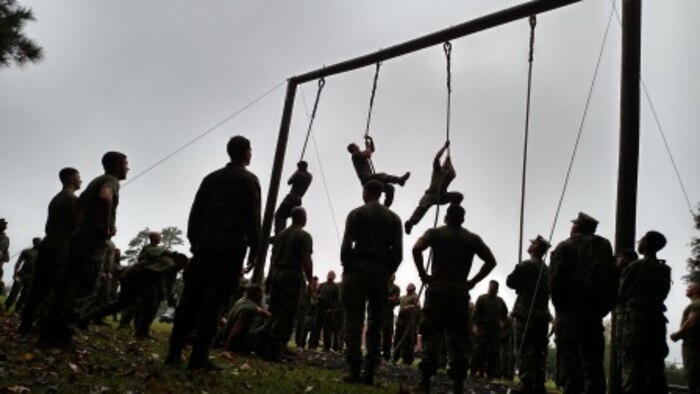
197,138
208,131
323,175
321,84
566,181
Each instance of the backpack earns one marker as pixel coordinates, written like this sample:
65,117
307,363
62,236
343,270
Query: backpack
597,277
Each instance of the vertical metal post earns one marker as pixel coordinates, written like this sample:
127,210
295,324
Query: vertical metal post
629,147
277,166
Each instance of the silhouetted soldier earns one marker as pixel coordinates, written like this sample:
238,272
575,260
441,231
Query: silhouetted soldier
142,285
371,251
436,194
623,258
53,252
689,332
392,302
406,326
581,272
490,315
361,160
224,222
300,181
244,321
307,313
531,316
4,251
23,276
644,285
337,321
327,297
86,250
290,264
447,295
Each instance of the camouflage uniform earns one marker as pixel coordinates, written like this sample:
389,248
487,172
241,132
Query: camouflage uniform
288,253
531,336
246,313
691,344
437,193
4,257
371,251
642,347
52,256
447,297
490,312
388,329
406,328
23,284
365,174
579,325
300,182
327,297
224,222
305,318
86,254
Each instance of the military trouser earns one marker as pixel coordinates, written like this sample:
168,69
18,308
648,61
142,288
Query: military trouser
75,295
445,312
580,349
691,365
386,181
642,351
19,290
430,199
287,285
322,324
487,350
284,211
388,334
303,326
210,279
405,337
364,284
50,265
531,341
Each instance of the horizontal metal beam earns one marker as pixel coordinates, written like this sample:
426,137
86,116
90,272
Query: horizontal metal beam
475,25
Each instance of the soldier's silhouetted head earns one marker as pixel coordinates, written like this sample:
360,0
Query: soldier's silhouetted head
239,150
352,147
455,215
154,238
493,287
69,176
36,241
115,163
299,216
651,242
584,224
302,165
372,190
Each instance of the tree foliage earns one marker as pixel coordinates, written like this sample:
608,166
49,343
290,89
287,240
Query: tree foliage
694,260
171,237
15,47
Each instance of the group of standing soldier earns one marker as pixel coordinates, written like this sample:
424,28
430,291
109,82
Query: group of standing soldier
582,280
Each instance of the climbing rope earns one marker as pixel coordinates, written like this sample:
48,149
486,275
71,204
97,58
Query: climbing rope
447,47
321,84
371,107
523,181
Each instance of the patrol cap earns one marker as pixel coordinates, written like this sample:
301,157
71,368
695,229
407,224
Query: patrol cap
540,240
585,220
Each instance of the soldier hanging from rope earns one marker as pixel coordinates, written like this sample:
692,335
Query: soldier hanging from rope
437,193
300,181
361,160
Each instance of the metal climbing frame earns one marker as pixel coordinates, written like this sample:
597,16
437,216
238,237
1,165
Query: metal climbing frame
502,17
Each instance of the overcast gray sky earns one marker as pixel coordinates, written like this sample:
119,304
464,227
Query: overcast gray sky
146,77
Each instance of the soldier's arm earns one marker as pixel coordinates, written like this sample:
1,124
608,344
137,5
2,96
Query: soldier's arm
104,208
253,220
20,262
307,262
348,239
436,161
418,248
688,325
515,278
293,178
194,223
397,244
369,146
486,255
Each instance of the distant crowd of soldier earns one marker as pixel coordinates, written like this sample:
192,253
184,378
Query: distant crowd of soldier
69,280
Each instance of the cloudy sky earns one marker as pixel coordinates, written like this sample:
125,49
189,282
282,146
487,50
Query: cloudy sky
147,77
